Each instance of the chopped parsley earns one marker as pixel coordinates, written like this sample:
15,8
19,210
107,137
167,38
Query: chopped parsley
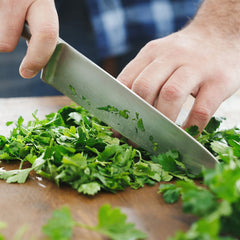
73,147
73,90
216,203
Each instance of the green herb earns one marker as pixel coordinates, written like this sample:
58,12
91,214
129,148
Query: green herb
170,192
73,147
111,223
193,131
109,108
155,144
216,204
60,225
124,113
140,125
112,109
73,90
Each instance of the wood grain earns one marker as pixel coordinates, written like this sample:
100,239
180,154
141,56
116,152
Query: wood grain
32,203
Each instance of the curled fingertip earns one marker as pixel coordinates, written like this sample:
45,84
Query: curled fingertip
27,73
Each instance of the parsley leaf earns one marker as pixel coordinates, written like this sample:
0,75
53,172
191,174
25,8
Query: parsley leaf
60,225
89,188
171,192
112,223
15,176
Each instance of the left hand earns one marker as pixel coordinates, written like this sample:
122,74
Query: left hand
193,62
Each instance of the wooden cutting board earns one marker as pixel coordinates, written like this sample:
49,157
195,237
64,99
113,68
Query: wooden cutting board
32,203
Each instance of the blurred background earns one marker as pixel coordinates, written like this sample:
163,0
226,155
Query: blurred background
80,27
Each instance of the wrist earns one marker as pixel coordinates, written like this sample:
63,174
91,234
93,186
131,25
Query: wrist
219,18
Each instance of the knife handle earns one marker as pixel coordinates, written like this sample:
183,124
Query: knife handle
26,34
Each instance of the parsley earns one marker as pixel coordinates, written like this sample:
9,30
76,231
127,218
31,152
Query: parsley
216,203
111,223
73,90
171,193
140,124
60,225
73,147
109,108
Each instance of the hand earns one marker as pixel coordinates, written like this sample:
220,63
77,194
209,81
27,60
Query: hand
42,18
190,62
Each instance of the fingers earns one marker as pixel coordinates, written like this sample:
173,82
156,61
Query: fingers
138,64
149,82
164,84
167,86
168,70
132,70
12,20
176,90
43,23
207,101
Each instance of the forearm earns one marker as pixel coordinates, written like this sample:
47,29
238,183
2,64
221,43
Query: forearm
219,17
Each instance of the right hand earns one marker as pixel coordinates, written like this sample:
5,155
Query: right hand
42,19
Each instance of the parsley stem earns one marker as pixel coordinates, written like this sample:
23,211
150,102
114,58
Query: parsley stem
85,226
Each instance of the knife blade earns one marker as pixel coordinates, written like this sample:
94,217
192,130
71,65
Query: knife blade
88,85
106,98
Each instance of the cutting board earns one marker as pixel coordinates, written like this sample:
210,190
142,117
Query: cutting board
32,203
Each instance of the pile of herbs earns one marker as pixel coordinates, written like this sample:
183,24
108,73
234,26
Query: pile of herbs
216,199
73,147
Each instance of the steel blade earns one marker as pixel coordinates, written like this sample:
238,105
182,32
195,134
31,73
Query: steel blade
107,99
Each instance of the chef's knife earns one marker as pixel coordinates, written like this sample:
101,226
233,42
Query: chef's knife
106,98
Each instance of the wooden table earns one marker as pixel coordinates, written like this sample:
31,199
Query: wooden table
32,203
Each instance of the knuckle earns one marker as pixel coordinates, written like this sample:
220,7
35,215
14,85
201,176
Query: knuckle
201,113
48,33
6,47
9,39
124,78
152,44
170,93
142,87
150,47
36,64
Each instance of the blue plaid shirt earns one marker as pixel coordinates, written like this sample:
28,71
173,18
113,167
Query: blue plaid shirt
121,25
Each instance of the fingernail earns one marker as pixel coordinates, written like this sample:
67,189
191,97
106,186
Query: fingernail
27,73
